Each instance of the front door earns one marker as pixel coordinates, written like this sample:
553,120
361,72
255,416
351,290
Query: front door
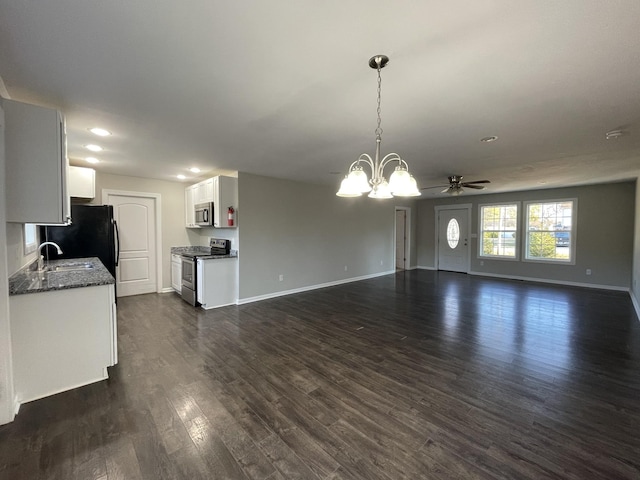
453,240
136,217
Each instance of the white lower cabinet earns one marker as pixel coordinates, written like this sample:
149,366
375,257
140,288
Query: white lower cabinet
62,339
176,272
217,281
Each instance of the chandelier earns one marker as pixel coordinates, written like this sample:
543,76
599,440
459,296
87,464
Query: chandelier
400,184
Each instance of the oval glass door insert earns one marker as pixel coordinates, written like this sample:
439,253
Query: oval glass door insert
453,233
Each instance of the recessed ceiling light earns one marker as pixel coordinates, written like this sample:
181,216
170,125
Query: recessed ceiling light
489,139
181,177
194,170
93,147
101,132
92,160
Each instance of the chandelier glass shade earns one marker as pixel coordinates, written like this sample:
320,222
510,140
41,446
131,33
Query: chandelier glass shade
400,184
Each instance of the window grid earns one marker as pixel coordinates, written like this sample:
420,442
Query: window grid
499,231
550,235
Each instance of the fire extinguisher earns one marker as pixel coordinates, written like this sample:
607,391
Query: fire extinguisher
230,213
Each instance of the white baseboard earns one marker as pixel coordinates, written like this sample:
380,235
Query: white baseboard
556,282
242,301
219,306
419,267
9,413
167,290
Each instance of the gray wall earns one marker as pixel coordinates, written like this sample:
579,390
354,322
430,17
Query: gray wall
307,234
635,288
604,241
174,232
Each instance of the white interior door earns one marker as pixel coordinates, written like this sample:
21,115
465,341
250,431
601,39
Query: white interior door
453,240
136,217
401,239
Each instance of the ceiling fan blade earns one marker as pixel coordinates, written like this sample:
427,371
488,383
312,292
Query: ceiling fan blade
477,181
446,190
433,186
477,187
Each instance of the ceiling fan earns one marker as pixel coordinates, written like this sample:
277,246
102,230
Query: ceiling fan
456,184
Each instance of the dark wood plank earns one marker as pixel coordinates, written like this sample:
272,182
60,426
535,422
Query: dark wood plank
415,375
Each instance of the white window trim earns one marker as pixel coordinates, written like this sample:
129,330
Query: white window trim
518,230
574,229
29,247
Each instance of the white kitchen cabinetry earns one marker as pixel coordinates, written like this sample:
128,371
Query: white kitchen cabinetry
225,195
222,191
217,281
176,273
189,202
82,182
36,164
62,339
204,191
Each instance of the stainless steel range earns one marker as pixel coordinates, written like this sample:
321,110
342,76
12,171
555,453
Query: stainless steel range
218,246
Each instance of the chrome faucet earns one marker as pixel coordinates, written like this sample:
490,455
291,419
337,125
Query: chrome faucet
41,257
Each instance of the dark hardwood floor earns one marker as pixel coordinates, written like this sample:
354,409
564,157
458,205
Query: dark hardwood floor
413,375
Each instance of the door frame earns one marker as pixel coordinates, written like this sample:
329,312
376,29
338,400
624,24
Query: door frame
407,239
438,209
158,208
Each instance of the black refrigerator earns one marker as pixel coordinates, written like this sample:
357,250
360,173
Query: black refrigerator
93,233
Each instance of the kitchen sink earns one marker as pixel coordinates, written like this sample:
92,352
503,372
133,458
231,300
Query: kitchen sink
70,267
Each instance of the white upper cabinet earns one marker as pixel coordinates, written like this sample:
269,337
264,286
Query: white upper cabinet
36,164
189,202
205,191
82,182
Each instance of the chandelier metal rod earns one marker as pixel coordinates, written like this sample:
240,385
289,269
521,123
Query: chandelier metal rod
400,182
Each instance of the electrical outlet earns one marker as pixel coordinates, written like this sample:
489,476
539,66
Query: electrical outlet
345,268
380,262
588,271
281,277
482,263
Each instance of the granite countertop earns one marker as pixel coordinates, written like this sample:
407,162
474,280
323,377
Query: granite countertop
201,252
73,274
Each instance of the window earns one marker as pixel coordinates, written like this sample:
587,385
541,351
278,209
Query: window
499,231
550,234
453,233
30,238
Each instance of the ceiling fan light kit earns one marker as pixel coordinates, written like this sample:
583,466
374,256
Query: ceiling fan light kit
614,134
400,184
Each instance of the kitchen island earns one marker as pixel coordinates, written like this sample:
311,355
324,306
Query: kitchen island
63,326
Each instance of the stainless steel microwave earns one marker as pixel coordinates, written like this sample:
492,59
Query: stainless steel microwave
204,214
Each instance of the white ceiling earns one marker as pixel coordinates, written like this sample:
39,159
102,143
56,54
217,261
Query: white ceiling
283,88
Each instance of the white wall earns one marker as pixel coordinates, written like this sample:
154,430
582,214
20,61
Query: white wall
6,370
307,234
174,232
605,229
